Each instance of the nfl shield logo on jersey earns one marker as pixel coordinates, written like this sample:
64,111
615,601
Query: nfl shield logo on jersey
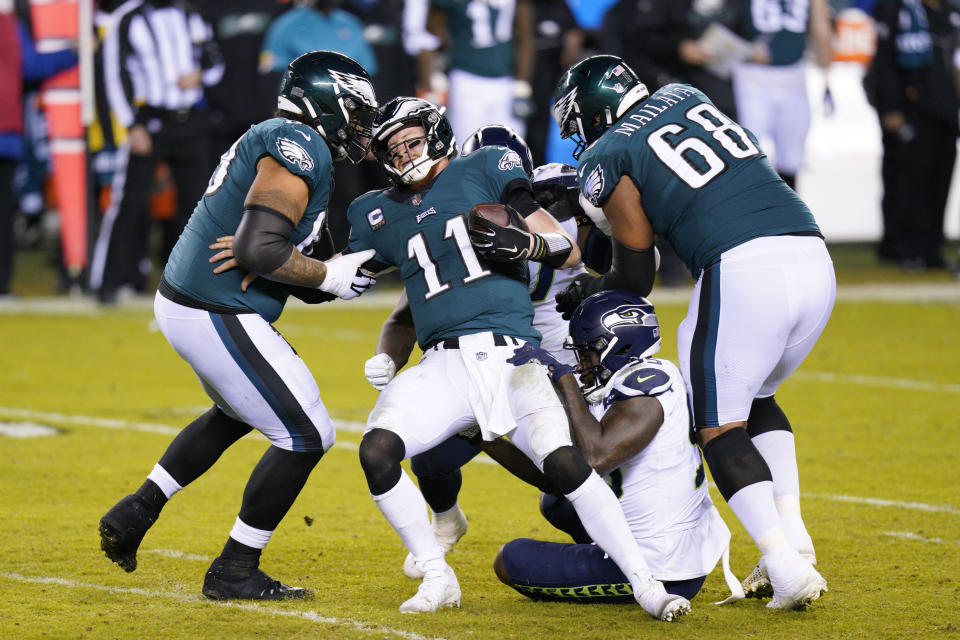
481,355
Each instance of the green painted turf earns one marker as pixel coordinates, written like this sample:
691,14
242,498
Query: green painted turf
861,437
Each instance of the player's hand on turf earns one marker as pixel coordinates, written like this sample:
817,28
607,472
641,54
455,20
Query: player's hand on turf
576,292
345,278
530,352
225,244
501,244
379,370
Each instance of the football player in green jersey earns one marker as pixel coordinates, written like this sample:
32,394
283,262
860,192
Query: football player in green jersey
271,191
470,306
672,164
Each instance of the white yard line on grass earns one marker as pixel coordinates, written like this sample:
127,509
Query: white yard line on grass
312,616
909,535
357,427
878,381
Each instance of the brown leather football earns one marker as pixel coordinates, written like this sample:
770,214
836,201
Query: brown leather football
494,212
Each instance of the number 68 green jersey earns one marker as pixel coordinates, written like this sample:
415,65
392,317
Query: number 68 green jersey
705,184
451,291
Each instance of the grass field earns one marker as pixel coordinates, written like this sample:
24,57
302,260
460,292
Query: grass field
875,409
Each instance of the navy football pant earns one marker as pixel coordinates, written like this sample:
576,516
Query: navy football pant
560,571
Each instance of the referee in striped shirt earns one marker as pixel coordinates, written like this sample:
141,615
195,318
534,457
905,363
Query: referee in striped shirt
157,57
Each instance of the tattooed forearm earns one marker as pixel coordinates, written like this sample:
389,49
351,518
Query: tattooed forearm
299,270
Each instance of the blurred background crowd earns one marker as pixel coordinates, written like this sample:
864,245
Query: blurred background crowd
113,114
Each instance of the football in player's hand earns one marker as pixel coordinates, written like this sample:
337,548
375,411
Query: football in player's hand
495,213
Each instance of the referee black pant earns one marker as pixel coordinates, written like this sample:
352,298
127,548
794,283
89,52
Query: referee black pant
182,139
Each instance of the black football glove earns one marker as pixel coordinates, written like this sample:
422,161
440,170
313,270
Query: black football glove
501,244
576,292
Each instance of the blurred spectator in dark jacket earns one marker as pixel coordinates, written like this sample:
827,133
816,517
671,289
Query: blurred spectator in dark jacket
558,44
659,40
19,62
914,89
242,97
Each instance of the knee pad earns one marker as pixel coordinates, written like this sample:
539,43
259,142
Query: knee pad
566,469
735,462
381,453
766,415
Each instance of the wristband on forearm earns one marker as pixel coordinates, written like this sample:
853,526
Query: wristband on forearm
551,249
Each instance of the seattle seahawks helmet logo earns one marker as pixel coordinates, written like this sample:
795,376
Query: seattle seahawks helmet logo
294,154
627,314
593,186
510,160
355,84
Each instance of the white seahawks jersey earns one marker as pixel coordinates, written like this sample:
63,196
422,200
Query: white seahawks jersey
545,284
664,487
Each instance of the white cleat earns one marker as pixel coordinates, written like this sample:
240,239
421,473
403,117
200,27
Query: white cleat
796,584
448,530
661,605
757,584
439,589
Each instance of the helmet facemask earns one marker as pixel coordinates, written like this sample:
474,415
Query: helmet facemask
423,151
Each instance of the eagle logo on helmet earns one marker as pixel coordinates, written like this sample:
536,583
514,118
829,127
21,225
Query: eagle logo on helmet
294,154
510,160
628,314
563,108
355,84
593,186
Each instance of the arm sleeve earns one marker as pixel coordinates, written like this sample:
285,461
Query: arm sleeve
117,79
519,194
361,226
206,50
886,75
38,66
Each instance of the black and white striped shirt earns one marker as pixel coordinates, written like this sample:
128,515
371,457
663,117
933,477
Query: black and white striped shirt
148,49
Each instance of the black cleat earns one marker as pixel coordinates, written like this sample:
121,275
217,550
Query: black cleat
219,584
122,529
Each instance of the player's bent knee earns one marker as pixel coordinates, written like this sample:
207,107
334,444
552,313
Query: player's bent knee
735,462
381,452
500,567
766,415
566,469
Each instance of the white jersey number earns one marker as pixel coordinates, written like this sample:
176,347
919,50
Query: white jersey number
487,32
693,160
417,249
770,16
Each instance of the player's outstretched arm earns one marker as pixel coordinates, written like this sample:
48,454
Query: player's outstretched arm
626,428
274,205
394,346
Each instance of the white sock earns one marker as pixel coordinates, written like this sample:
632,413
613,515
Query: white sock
603,518
405,509
164,480
754,507
250,536
779,451
450,515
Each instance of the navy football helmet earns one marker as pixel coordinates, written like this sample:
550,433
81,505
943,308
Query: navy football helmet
501,136
609,330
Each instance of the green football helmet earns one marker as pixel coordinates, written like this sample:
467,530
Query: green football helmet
592,95
333,94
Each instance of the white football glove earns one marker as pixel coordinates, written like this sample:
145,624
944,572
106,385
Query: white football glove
344,278
379,370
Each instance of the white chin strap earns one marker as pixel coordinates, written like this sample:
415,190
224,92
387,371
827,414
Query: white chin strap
421,167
